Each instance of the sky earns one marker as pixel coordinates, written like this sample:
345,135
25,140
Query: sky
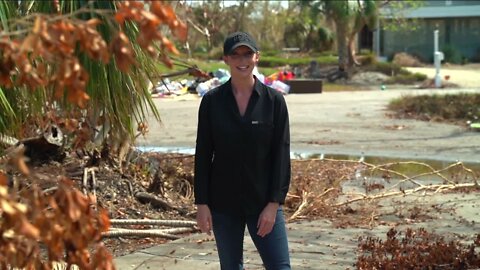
235,2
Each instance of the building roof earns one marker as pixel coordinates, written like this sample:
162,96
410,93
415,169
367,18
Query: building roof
436,12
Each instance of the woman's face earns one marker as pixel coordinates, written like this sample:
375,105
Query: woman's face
241,61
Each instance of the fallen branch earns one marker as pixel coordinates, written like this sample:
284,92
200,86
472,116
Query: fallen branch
433,171
165,233
155,201
170,223
435,188
306,202
301,207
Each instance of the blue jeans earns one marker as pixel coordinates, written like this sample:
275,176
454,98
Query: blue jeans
229,230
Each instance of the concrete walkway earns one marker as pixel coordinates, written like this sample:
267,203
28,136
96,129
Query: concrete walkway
351,123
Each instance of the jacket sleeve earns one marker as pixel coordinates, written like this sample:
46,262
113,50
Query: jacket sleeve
281,167
203,153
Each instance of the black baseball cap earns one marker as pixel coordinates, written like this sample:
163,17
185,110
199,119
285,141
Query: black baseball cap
238,39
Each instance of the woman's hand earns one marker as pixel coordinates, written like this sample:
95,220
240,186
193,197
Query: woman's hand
266,220
204,218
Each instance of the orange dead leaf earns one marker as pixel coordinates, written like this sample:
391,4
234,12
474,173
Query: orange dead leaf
29,43
164,11
102,259
3,179
27,229
181,31
80,200
167,61
104,220
7,207
39,25
120,18
80,98
169,45
123,52
21,165
71,124
72,209
93,22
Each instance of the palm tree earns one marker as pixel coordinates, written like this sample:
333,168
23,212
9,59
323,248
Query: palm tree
349,17
118,100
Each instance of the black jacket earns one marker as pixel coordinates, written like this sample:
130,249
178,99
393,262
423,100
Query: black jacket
242,163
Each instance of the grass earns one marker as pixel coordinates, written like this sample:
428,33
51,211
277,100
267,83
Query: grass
458,108
335,87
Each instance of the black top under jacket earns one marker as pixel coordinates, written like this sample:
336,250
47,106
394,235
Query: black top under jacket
242,162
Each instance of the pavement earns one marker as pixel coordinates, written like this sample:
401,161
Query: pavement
342,124
352,123
319,244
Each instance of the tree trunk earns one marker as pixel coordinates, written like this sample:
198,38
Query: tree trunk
352,59
342,47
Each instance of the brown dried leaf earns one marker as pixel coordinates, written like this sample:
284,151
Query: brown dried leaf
22,166
181,31
169,45
8,207
27,229
123,52
104,220
93,22
39,25
71,124
164,11
29,43
72,210
3,180
166,60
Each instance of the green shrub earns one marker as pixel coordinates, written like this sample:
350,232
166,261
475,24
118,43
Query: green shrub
326,39
406,78
368,58
451,55
274,61
216,53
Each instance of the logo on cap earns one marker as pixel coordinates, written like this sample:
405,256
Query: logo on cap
238,39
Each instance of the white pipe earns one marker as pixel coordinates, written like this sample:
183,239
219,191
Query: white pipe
437,60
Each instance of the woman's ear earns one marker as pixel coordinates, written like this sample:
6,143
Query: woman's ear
225,59
257,57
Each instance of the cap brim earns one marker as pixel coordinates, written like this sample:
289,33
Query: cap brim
242,44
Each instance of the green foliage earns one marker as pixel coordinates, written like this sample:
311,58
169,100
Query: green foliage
273,61
453,107
326,38
394,19
7,114
452,55
367,58
406,78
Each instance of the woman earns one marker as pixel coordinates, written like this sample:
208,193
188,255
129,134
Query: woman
242,161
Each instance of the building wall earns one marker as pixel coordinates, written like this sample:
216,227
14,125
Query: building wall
437,3
461,35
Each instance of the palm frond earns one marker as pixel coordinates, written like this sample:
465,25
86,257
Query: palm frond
120,99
